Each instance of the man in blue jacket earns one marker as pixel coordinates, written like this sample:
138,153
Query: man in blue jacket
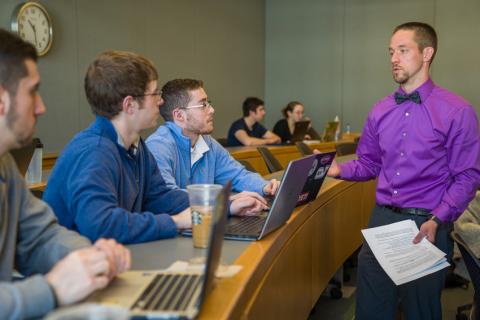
58,266
186,153
106,183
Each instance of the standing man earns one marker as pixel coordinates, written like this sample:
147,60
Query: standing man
247,131
106,183
422,143
31,241
187,154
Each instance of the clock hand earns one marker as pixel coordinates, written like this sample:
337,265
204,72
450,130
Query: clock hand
34,31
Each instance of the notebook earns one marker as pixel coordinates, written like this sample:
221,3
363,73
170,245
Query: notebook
170,295
257,227
316,176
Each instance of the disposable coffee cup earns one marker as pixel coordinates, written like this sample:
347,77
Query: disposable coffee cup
202,202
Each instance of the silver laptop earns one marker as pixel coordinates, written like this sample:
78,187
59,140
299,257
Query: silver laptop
169,295
257,227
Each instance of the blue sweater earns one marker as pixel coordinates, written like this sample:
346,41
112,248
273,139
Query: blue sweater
171,149
100,190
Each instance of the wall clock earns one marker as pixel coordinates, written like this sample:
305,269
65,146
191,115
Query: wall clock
30,20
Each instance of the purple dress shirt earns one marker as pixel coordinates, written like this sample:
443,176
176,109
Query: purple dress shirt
425,155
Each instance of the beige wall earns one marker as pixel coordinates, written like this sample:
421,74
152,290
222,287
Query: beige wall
333,56
219,41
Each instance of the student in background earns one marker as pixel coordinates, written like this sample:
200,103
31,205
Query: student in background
247,131
59,266
106,182
187,154
292,113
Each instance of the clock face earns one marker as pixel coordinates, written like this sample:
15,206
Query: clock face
34,25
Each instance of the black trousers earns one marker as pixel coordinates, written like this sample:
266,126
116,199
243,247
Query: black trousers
378,297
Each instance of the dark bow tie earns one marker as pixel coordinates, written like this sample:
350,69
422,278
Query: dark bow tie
414,96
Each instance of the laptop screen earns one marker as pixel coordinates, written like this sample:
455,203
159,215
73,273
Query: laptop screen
216,241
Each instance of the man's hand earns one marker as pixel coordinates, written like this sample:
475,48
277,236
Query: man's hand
118,256
271,187
429,230
79,274
334,170
183,220
247,203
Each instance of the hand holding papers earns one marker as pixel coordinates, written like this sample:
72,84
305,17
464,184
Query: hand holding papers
402,260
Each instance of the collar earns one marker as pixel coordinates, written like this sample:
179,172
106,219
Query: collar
424,90
196,153
107,130
183,141
120,141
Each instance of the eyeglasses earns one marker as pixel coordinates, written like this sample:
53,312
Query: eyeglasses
154,93
203,105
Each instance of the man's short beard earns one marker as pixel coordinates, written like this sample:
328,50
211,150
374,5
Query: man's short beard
12,117
401,79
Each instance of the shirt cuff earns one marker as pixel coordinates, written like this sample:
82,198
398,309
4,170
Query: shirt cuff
345,172
166,226
442,212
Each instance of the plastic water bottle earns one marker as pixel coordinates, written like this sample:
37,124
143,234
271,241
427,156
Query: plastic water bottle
347,128
337,132
34,171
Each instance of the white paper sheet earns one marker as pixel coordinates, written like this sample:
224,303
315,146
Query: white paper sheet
402,260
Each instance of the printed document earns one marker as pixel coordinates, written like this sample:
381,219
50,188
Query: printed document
402,260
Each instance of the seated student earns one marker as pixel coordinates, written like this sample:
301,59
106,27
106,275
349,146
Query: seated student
59,266
284,128
106,183
247,131
185,151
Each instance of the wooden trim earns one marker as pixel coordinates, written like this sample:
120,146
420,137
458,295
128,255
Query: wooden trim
49,161
284,274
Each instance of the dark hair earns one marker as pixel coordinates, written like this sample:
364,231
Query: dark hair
425,35
251,104
112,76
13,53
175,93
290,106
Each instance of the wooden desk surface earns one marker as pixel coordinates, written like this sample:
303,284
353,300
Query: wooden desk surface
284,274
283,153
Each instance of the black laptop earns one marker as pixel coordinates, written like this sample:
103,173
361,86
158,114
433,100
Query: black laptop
300,130
170,295
316,176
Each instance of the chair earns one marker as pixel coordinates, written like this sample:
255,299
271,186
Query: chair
473,266
247,165
272,163
223,141
303,148
345,148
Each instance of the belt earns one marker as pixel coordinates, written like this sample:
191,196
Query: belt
412,211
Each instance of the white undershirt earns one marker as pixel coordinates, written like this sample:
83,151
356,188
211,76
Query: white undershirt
196,153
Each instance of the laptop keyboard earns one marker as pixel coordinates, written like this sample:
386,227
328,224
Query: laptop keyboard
246,225
169,292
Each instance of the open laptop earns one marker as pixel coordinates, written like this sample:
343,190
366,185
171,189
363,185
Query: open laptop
257,227
316,176
170,295
300,130
23,156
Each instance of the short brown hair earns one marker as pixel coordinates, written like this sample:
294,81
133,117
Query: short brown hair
175,93
425,35
13,54
112,76
251,104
